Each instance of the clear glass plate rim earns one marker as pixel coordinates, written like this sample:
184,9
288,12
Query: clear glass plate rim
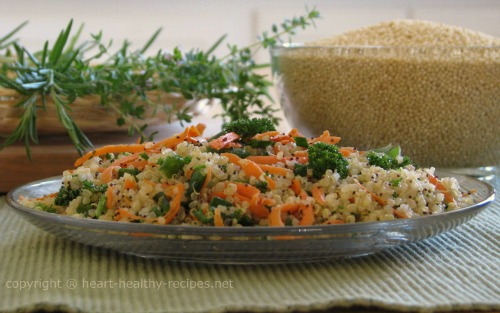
243,231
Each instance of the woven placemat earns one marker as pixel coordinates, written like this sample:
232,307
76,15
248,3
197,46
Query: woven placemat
458,270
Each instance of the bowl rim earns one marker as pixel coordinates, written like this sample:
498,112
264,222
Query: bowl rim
303,45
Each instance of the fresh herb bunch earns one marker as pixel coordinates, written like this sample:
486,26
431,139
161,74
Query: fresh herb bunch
64,72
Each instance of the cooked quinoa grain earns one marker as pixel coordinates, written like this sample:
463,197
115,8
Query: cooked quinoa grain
183,181
429,87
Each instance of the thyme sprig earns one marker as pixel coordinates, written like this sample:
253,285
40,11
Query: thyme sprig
123,79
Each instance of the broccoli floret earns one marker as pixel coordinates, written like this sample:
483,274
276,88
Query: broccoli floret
247,128
323,156
386,158
65,195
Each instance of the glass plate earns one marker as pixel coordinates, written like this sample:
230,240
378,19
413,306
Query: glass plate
248,244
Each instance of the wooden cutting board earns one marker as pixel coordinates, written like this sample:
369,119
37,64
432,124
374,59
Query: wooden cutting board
54,154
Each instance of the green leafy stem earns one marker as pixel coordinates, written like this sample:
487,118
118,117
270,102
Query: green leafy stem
123,79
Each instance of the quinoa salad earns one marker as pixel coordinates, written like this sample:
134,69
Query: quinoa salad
249,175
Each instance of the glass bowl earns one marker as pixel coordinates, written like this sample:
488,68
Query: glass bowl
440,104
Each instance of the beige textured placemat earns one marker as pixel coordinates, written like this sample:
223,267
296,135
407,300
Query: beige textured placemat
458,270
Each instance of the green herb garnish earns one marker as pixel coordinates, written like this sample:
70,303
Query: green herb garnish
122,80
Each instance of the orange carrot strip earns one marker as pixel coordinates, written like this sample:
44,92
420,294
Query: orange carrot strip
303,194
284,139
318,194
121,213
130,184
399,214
264,159
307,215
295,133
246,190
251,168
109,197
107,174
110,149
373,195
218,221
233,158
175,203
275,170
301,153
207,179
289,207
257,208
139,164
274,218
222,141
201,128
326,138
295,186
448,197
266,135
346,151
52,195
173,141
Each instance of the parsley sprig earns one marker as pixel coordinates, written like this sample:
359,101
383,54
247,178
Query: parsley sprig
122,80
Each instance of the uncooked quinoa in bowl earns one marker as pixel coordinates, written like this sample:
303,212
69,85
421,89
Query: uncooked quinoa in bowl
428,87
249,174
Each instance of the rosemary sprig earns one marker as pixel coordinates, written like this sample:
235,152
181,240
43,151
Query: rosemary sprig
123,79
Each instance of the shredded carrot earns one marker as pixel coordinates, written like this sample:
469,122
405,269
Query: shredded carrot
246,190
346,151
295,186
326,138
233,158
283,139
175,203
139,164
222,141
399,214
110,149
130,184
295,133
265,159
218,221
201,128
207,179
122,213
274,170
448,197
252,169
318,194
172,141
266,135
373,195
274,217
109,197
289,207
307,215
257,207
52,195
301,153
107,174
